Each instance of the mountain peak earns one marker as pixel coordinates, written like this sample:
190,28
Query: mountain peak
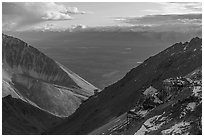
39,80
195,41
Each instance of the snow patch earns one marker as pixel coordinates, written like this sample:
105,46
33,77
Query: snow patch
142,113
191,106
177,129
157,100
183,113
150,91
153,123
142,131
189,80
197,91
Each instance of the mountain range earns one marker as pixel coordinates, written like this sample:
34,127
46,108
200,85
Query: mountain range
95,51
44,97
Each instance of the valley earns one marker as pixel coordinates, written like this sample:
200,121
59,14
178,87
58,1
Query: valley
78,103
101,68
102,58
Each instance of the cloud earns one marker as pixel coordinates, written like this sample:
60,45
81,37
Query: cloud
181,7
168,22
163,19
55,27
177,8
28,13
74,10
44,27
172,16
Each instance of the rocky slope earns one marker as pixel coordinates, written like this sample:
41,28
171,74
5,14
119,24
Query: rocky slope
177,60
19,117
30,75
176,109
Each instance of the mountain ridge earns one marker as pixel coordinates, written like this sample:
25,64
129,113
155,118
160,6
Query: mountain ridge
32,76
122,95
64,95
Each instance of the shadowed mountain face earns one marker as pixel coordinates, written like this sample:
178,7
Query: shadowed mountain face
37,79
19,117
177,60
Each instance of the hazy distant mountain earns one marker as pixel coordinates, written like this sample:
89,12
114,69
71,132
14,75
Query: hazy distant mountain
35,78
105,56
179,60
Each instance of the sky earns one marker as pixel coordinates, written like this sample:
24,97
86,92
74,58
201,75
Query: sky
60,16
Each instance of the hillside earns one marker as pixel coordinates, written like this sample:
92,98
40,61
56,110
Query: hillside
35,78
19,117
174,110
176,61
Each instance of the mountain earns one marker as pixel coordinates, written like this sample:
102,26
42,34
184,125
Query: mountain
179,60
35,78
174,110
19,117
95,51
